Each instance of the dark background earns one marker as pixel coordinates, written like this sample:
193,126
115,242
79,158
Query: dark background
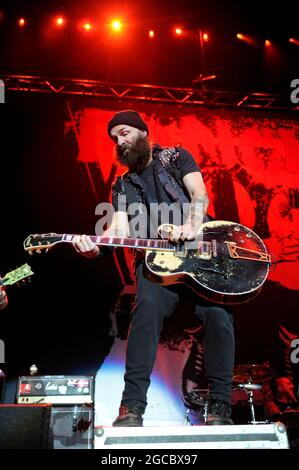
60,320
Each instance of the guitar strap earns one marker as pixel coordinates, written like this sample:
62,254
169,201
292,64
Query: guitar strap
167,170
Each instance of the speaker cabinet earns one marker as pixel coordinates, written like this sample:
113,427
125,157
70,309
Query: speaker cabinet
25,427
72,427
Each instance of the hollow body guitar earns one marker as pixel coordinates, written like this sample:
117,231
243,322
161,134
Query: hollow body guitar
227,263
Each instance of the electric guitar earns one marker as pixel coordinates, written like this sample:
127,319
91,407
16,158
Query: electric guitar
227,262
17,275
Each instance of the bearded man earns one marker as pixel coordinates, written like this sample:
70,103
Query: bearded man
168,176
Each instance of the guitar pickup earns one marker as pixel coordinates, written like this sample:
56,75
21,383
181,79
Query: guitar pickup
214,248
205,251
180,250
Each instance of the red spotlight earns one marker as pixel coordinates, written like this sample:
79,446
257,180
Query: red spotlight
151,34
87,26
22,22
116,25
205,37
294,41
59,21
267,43
245,38
178,31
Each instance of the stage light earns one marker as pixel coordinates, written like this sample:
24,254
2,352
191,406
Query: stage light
59,21
203,78
116,26
87,26
21,22
267,43
178,31
245,38
294,41
205,37
151,34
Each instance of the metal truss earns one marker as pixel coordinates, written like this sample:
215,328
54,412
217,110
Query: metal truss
149,93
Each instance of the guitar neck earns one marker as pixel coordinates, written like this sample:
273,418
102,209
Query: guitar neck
141,243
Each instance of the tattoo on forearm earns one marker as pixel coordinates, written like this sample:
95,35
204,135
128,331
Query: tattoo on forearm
198,209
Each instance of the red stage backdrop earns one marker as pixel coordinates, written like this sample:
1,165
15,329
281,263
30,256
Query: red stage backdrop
249,160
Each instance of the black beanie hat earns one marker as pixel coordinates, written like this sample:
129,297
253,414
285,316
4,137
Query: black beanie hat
129,117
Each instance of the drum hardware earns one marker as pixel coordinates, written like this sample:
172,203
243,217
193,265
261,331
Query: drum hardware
250,378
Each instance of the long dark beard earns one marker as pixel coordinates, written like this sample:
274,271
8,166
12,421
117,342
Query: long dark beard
136,157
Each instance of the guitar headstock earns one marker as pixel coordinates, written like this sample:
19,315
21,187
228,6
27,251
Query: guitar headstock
17,275
39,242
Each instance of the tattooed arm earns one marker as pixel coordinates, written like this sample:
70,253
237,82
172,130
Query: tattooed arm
195,186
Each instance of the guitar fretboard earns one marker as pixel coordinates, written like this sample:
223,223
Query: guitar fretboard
143,243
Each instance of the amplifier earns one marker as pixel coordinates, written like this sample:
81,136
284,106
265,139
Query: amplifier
25,427
46,426
72,426
56,389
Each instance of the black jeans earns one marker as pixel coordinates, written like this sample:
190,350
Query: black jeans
155,302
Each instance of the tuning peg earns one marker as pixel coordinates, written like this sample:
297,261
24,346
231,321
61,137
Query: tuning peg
30,252
47,249
38,251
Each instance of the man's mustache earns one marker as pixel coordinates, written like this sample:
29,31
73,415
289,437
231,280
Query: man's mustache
123,148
